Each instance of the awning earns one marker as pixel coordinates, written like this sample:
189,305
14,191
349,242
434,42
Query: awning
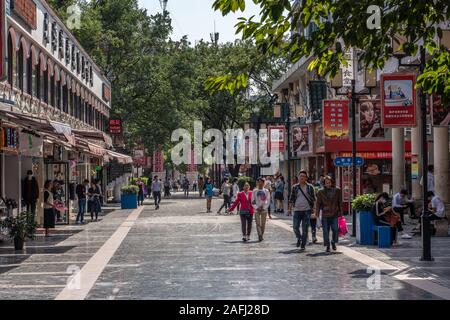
121,158
97,150
94,135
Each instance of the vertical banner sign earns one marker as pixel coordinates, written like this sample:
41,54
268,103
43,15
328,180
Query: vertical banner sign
414,167
158,161
441,114
276,138
348,71
398,100
370,119
301,140
192,166
335,123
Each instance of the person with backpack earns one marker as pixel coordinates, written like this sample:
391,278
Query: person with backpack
329,201
246,211
302,200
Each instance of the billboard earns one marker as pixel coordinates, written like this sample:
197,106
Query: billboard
302,140
370,119
335,120
398,100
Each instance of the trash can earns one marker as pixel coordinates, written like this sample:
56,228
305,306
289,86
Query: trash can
364,228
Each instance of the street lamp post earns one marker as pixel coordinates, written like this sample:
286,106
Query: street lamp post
353,115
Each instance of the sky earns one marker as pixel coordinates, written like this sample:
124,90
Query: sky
195,18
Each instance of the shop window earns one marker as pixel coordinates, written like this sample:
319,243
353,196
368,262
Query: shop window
44,86
58,94
52,90
64,98
37,84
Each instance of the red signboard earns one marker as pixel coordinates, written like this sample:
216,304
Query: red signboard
335,121
106,93
277,138
115,126
192,167
158,161
441,114
398,100
374,155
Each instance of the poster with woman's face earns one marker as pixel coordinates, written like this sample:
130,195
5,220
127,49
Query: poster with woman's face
301,140
370,119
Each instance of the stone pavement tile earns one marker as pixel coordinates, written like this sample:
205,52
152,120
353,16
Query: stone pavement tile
193,255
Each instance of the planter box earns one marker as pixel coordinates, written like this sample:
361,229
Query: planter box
364,228
128,201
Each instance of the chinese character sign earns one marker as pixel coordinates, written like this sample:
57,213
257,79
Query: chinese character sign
370,119
115,126
398,100
158,161
441,114
347,71
335,120
301,140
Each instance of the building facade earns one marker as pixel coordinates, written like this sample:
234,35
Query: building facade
55,105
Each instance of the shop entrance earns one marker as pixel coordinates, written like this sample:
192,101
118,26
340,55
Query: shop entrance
58,171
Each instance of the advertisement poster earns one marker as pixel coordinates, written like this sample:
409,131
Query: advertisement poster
398,101
441,114
277,140
335,120
414,167
301,140
370,119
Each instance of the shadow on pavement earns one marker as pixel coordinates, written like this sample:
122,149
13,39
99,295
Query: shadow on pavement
322,254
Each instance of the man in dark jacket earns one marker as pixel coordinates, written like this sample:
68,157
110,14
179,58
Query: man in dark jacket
30,192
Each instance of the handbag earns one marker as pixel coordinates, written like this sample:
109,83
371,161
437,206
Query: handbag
342,224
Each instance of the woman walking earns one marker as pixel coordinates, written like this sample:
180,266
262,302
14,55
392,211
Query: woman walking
226,192
95,194
329,200
279,194
244,199
49,211
209,187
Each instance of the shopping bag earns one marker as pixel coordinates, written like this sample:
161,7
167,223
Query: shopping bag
342,223
319,220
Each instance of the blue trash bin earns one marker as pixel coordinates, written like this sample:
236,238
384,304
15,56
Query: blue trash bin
364,228
128,201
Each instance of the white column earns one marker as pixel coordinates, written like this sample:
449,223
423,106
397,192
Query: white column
398,159
441,162
416,149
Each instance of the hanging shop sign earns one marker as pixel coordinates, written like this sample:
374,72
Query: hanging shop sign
398,101
370,119
335,122
48,150
30,145
414,167
10,139
441,114
192,167
115,126
158,161
277,138
302,140
348,71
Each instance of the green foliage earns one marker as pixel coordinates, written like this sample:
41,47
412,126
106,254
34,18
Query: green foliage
130,189
22,226
415,20
364,202
134,181
242,180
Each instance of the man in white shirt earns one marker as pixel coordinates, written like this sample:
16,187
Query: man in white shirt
260,202
400,203
157,186
430,178
436,206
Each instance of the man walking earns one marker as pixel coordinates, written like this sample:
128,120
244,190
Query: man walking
329,200
186,185
226,192
81,191
30,192
302,200
156,190
260,202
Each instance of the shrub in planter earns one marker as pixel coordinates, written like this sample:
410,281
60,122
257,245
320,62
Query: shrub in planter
21,227
130,189
364,202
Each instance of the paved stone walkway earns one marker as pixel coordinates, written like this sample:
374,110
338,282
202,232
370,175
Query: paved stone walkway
180,252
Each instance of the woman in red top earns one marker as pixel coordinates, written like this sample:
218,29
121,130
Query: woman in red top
244,199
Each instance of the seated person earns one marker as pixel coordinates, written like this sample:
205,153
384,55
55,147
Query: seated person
385,216
400,203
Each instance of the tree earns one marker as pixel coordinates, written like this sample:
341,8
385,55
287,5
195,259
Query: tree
343,24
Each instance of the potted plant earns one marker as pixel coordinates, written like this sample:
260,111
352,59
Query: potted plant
363,205
20,227
128,198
